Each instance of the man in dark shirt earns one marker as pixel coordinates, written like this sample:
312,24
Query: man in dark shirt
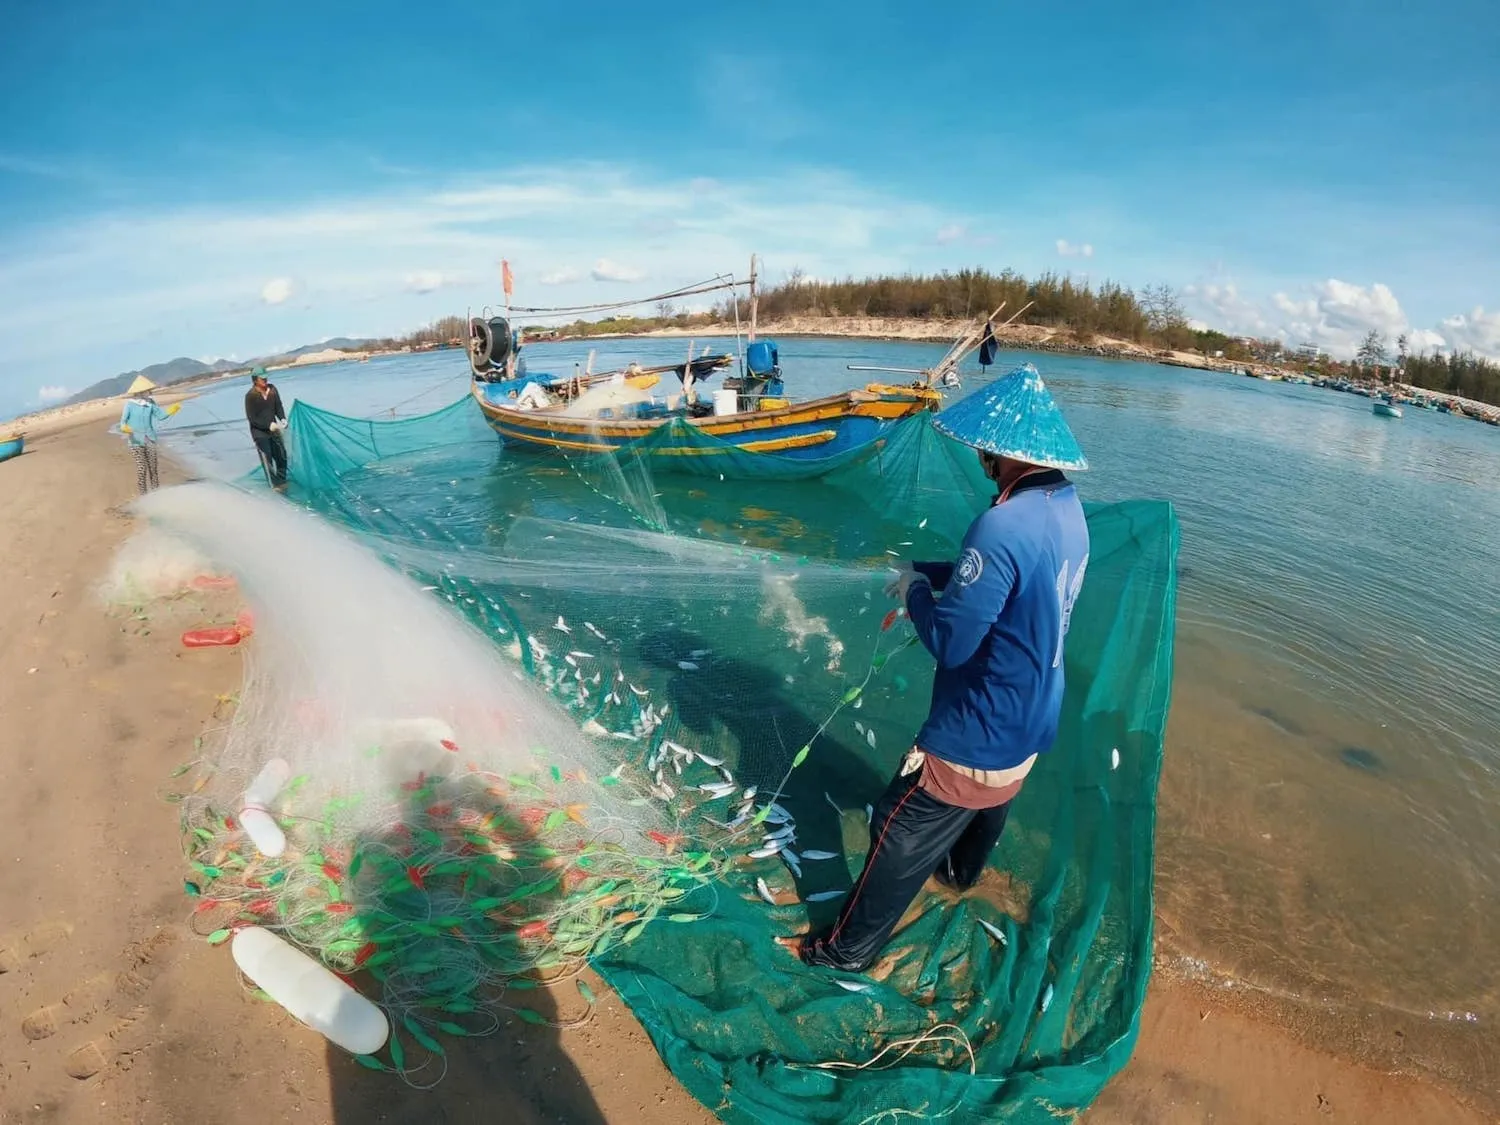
267,419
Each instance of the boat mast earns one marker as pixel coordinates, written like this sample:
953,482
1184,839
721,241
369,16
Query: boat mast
754,300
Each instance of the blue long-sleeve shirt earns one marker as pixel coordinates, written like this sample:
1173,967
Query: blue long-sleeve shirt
141,416
997,631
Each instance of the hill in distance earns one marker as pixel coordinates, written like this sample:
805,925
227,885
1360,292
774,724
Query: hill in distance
182,368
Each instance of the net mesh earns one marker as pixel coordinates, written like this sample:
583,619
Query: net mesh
716,645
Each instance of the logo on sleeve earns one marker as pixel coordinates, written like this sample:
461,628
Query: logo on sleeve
970,567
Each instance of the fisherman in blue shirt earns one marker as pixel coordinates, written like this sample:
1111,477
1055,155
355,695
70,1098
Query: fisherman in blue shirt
996,633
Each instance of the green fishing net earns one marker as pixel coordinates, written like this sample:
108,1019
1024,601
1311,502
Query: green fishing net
714,626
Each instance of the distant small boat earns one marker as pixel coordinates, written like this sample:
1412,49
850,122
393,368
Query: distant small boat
11,448
1386,409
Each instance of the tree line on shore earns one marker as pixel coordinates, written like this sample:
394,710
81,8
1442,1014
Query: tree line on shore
1081,312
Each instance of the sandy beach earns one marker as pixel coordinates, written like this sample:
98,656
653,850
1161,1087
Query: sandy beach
112,1008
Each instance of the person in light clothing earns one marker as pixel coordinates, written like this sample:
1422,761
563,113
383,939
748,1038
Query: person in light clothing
138,422
994,620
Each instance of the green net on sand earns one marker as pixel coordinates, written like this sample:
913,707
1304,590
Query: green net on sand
722,644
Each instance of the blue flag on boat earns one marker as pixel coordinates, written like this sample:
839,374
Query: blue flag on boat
988,346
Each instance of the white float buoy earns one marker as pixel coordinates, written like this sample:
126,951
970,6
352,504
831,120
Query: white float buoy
309,991
255,813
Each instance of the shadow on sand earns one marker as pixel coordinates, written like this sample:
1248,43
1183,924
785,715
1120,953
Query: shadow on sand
518,1072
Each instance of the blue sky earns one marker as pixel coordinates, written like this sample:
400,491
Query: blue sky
190,179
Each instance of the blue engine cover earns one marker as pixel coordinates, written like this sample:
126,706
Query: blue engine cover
762,359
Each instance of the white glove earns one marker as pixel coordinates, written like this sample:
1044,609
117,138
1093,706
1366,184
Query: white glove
277,427
899,586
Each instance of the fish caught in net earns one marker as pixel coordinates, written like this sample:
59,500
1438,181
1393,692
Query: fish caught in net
537,711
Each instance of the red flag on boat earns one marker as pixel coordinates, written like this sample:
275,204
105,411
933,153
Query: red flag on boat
506,279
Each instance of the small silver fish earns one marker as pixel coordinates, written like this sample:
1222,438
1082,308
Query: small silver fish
687,665
819,853
717,788
568,659
784,833
625,736
870,813
1114,758
699,653
792,861
993,930
581,655
870,737
921,525
764,891
859,726
707,761
638,691
592,628
561,626
853,985
749,794
825,896
765,851
1046,999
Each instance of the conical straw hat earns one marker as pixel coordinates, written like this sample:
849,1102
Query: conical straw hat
141,384
1014,417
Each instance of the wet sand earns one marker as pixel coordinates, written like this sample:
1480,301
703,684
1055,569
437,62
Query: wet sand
113,1010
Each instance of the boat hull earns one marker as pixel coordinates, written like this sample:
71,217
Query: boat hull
1386,410
11,448
811,430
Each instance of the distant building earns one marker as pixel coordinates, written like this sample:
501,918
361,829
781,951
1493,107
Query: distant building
1309,351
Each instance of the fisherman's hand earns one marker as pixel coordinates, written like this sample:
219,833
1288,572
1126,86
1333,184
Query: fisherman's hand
899,586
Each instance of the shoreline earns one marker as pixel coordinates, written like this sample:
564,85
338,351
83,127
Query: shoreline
101,709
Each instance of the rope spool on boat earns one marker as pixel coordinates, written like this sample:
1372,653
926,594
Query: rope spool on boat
490,343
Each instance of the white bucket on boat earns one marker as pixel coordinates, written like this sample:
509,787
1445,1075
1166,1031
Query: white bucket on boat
726,401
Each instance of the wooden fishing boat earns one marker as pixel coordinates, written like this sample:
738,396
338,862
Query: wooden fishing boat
12,447
821,427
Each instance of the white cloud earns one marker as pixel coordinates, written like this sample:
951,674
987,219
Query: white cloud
564,276
1225,309
1424,340
52,394
606,270
1074,250
429,281
1337,315
1476,331
951,232
276,291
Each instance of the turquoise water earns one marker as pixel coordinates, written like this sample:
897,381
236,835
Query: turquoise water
1330,804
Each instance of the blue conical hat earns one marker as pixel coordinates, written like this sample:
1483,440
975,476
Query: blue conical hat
1014,417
